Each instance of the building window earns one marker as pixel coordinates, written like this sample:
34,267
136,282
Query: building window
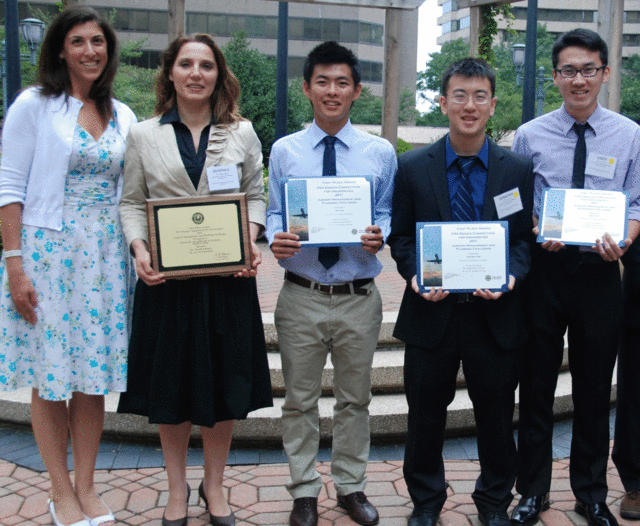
371,71
446,27
632,17
465,22
331,30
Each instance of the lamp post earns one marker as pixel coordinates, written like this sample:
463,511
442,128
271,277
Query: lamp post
33,32
542,90
517,56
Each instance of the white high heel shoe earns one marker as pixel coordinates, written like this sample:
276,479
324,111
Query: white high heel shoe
108,517
56,522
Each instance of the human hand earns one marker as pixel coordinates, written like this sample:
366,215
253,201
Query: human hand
372,242
435,294
285,245
23,293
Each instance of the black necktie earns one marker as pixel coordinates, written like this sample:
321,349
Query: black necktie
462,207
580,157
329,256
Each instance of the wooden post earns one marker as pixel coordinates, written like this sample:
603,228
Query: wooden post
391,97
176,19
610,15
475,28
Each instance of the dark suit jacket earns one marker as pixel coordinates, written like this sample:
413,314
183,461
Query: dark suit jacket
422,194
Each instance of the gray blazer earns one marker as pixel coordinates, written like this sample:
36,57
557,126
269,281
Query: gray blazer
153,169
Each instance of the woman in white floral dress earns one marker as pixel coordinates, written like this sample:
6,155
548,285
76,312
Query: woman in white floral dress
65,284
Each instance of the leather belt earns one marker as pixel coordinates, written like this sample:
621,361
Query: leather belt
352,287
464,297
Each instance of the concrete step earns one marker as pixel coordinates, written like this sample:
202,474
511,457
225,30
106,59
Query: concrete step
388,409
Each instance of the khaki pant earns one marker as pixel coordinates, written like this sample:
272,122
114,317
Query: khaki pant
310,325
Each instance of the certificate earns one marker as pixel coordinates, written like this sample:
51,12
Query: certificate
199,236
328,211
463,257
578,217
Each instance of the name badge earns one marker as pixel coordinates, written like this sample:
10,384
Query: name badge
223,177
508,203
599,165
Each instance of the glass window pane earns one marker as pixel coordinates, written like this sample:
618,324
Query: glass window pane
376,72
365,32
331,30
312,29
377,32
256,26
158,22
296,28
348,31
236,24
296,65
140,20
121,20
197,23
218,25
271,30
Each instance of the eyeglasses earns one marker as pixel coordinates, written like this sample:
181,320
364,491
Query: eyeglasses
463,98
587,72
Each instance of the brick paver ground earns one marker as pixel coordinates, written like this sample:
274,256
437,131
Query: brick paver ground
258,496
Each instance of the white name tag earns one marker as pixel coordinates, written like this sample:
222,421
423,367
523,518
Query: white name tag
223,177
599,165
508,203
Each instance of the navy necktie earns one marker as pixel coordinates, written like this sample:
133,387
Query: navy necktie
580,157
329,256
462,206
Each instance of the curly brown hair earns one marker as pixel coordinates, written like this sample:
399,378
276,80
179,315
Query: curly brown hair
226,94
53,76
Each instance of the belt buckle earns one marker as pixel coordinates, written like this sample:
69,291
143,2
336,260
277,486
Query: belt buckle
465,297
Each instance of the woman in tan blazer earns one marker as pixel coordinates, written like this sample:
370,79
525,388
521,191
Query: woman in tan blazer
197,353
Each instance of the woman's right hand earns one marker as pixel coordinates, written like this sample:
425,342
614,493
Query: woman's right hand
143,264
22,290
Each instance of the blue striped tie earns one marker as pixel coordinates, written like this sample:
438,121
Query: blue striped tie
462,207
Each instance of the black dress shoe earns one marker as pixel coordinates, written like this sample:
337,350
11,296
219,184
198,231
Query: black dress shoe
216,520
494,518
597,514
359,508
177,522
304,512
528,510
423,518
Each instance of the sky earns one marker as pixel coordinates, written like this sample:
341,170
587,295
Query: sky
428,31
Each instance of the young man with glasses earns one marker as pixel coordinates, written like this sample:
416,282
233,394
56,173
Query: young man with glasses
574,288
463,177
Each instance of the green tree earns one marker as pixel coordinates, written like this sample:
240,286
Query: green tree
509,108
257,75
135,87
630,103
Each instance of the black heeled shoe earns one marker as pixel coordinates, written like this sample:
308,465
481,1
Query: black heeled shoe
178,522
229,520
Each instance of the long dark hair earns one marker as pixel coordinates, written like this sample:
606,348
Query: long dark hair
226,94
53,75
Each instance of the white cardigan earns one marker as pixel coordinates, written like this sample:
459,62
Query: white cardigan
36,147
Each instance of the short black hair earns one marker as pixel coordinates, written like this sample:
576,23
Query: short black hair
584,38
331,53
469,67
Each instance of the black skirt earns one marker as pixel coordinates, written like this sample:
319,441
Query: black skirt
197,352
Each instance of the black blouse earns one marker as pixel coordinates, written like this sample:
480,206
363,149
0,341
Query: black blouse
193,161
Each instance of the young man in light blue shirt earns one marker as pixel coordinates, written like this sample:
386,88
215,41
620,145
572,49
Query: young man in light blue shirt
571,288
329,302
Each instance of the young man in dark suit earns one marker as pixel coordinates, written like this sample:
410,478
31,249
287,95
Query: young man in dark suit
484,330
